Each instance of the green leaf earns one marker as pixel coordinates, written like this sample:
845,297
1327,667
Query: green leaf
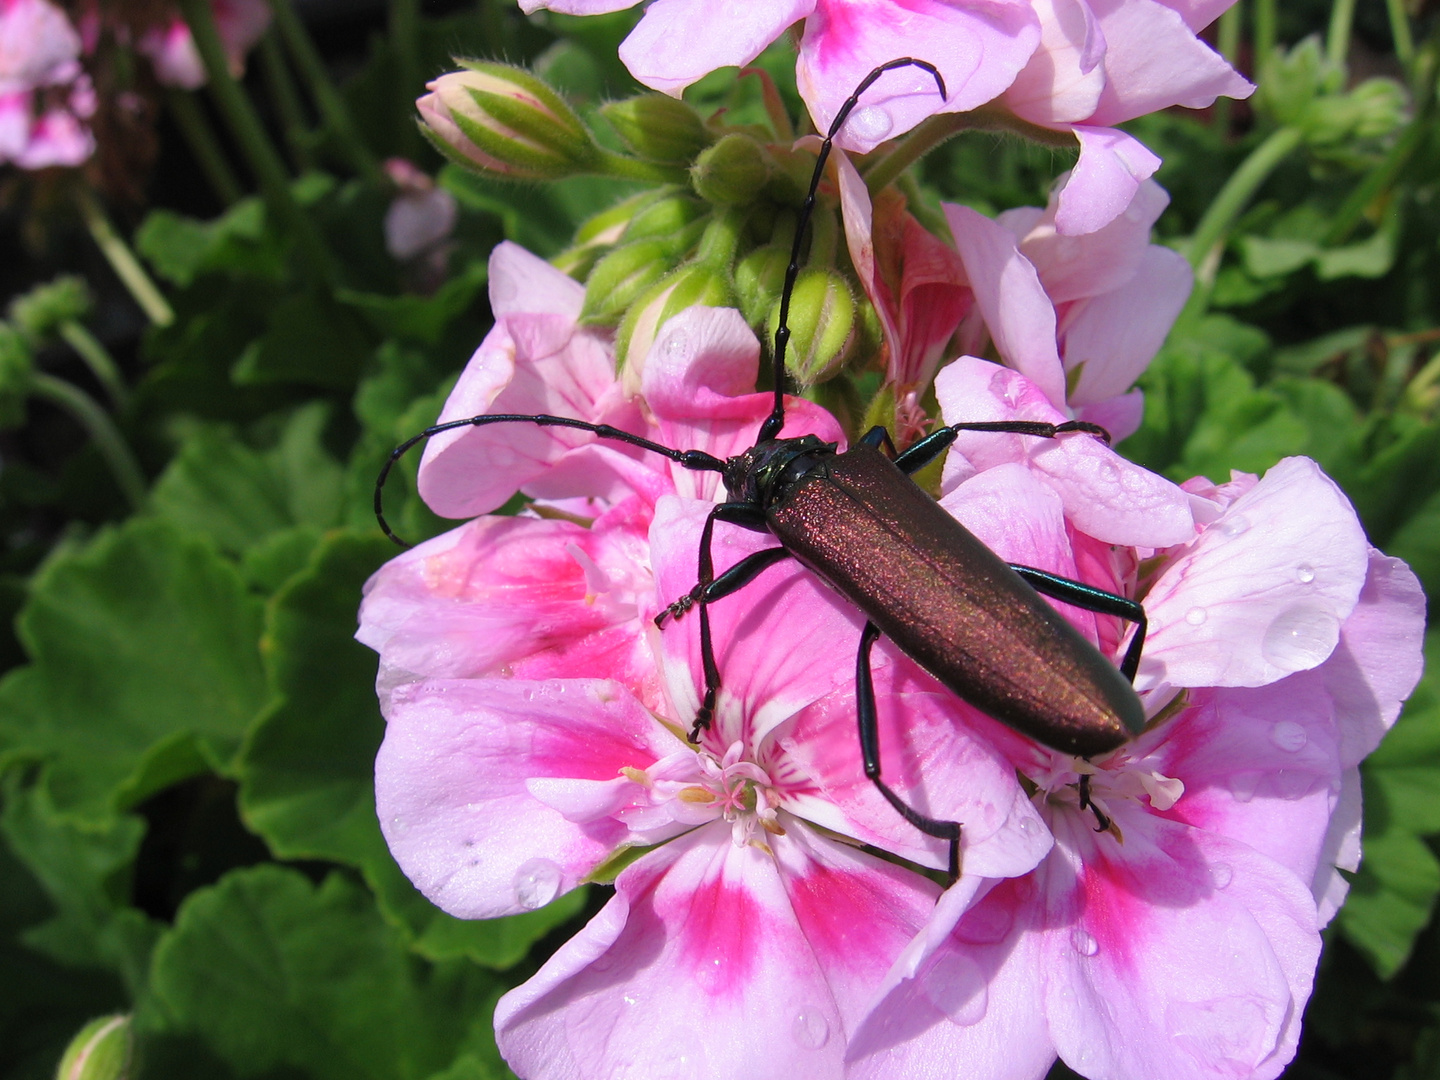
85,870
220,487
1265,257
307,777
420,318
309,339
1394,893
181,248
145,668
270,971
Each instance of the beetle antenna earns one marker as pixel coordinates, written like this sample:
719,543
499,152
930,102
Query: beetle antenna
776,420
697,460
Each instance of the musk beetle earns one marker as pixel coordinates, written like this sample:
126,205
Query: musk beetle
975,622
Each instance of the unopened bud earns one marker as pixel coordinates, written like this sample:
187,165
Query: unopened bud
621,276
1372,110
103,1050
759,277
666,218
504,120
732,172
692,285
40,312
658,127
822,325
609,225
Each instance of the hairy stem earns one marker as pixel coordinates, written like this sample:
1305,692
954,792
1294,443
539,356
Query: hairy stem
98,359
122,260
101,429
203,143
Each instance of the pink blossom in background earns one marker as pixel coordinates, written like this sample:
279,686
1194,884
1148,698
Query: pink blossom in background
1181,940
421,217
44,128
39,46
1080,316
171,50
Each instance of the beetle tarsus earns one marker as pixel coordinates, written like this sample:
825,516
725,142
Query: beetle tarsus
1102,820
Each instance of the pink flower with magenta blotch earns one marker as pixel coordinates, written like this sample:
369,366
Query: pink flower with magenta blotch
46,127
1174,927
39,46
1080,316
171,48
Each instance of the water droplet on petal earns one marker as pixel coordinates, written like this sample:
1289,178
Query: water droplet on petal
1305,572
1243,785
1235,526
1289,736
1029,826
537,882
1084,942
1196,615
1221,875
810,1029
956,986
678,347
1300,637
871,122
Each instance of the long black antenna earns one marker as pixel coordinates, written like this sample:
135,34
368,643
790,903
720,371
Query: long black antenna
697,460
776,420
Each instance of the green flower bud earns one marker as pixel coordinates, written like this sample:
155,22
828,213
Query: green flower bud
608,226
578,261
759,278
1372,110
41,311
666,218
16,367
621,276
732,172
504,120
103,1050
1292,79
694,284
822,325
658,127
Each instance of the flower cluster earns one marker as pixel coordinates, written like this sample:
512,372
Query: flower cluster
1152,911
45,97
170,47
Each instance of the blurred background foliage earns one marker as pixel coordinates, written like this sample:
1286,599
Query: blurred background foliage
187,727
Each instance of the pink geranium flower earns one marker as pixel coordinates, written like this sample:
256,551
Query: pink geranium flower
171,49
46,127
39,46
1174,927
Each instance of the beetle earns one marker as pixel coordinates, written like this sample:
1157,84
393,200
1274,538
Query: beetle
976,623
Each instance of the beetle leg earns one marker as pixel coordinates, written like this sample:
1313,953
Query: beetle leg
732,580
866,718
1089,598
1102,821
877,438
928,449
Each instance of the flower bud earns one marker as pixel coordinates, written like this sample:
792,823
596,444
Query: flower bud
658,127
40,312
610,224
666,218
732,172
504,120
103,1050
623,275
1371,110
822,325
694,284
759,278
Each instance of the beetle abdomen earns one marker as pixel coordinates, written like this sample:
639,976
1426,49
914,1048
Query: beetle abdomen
952,604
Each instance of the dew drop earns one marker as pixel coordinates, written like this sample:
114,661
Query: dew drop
1243,785
1300,637
871,123
678,347
1029,825
1084,942
810,1029
1305,573
1196,615
1221,875
1289,736
537,882
1235,526
956,986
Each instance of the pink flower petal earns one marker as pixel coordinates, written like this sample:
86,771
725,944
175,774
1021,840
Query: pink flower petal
1264,591
1111,168
39,46
451,776
1341,850
1063,81
979,49
1018,314
678,41
576,7
1120,416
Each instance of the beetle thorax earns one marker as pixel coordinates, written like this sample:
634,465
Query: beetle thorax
762,474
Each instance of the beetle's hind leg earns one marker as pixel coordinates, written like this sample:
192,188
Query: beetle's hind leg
917,456
1089,598
868,722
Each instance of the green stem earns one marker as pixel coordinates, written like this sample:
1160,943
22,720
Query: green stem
122,260
609,163
286,98
405,33
1265,22
1400,33
249,132
1228,41
928,135
327,98
1235,196
1337,41
100,428
1376,182
205,146
98,359
721,238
